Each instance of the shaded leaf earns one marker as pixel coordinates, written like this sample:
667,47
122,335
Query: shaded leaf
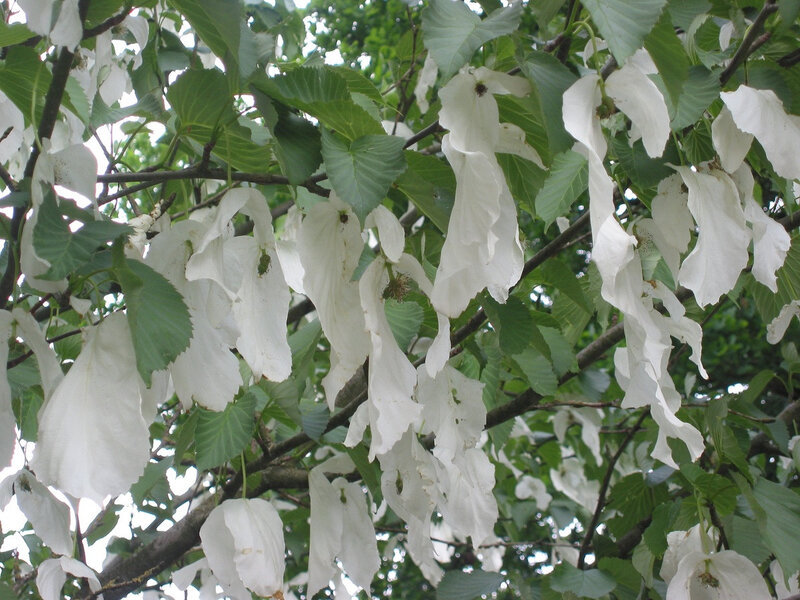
362,171
624,25
157,315
457,585
219,436
453,32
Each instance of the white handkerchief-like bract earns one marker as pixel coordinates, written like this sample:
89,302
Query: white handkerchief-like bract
409,485
725,575
390,409
52,575
65,29
329,245
730,142
761,113
771,241
641,367
468,504
452,409
243,542
714,265
207,371
93,439
341,528
250,272
635,94
612,246
776,328
482,247
48,515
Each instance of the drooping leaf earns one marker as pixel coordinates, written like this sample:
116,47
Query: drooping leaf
513,323
699,90
201,113
405,319
430,184
158,317
453,32
567,180
592,583
324,94
457,585
219,436
780,522
64,250
624,25
362,171
550,79
538,371
668,54
12,34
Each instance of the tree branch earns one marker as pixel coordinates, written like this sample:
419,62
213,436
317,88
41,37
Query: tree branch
748,45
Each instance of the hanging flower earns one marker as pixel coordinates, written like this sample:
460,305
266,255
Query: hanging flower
243,542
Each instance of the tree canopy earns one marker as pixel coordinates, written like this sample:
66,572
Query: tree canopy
400,299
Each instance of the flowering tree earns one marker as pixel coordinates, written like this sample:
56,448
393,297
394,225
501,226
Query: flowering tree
499,305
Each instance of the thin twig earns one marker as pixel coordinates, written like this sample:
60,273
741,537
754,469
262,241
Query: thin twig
601,499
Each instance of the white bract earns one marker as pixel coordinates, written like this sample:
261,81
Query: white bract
52,575
243,543
93,439
341,527
48,515
761,113
482,247
329,245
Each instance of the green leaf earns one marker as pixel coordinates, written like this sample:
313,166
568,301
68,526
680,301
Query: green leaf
324,94
623,24
430,184
25,80
645,172
314,418
700,90
550,79
405,319
592,583
561,352
538,371
527,114
220,436
780,523
560,276
157,315
524,179
453,32
568,179
219,23
13,34
298,147
153,482
201,113
697,143
457,585
362,171
668,54
634,500
64,250
513,323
